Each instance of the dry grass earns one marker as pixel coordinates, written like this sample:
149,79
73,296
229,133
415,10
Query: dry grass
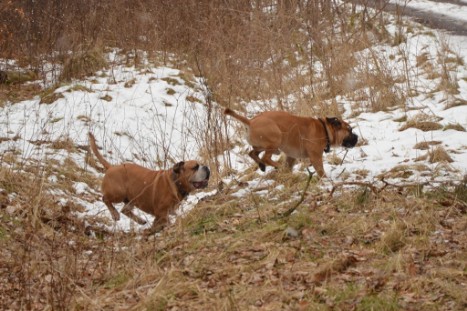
19,92
456,127
439,154
456,102
48,96
107,98
395,250
402,248
82,64
20,77
421,125
404,171
425,145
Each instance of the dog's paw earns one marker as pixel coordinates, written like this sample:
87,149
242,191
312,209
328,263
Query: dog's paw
148,232
155,228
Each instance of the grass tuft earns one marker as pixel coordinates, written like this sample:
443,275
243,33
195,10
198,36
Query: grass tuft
421,125
439,154
455,127
49,96
83,64
425,145
394,239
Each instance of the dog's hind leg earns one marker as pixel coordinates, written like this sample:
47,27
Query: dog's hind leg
127,210
290,162
112,209
254,155
267,157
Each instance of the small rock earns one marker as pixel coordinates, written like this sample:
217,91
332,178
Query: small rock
291,232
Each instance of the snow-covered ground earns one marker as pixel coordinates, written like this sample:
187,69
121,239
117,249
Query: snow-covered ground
449,8
153,117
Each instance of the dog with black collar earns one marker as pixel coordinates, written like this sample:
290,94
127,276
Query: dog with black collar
298,137
154,192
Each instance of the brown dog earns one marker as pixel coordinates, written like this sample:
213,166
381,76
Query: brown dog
298,137
154,192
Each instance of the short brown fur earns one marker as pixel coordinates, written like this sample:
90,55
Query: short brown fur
298,137
154,192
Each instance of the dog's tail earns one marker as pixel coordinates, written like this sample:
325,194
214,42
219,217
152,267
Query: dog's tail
94,149
232,113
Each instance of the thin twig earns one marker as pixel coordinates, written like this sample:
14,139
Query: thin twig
346,151
357,183
292,209
373,188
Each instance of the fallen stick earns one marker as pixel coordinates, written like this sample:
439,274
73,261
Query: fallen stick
292,209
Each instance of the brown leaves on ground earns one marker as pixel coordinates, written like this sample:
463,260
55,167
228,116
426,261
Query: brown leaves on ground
390,250
335,267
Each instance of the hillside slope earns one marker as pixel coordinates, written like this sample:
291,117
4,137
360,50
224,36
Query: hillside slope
384,231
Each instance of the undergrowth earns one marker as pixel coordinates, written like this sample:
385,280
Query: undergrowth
400,248
356,249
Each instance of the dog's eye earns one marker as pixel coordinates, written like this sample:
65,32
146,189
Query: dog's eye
196,167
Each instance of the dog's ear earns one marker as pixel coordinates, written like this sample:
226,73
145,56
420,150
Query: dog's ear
334,122
177,167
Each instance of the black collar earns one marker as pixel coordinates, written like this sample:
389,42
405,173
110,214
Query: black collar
328,142
183,193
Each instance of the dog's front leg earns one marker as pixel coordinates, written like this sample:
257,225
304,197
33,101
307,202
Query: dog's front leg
318,165
157,225
316,159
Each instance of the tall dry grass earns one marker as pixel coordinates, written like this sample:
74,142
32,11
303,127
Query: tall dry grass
372,247
245,49
399,248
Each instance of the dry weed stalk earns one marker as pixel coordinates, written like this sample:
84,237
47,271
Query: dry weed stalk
377,190
302,197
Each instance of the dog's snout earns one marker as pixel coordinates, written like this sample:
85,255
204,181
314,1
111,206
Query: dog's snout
350,141
207,171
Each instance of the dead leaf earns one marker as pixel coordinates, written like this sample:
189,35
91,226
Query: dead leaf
336,266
